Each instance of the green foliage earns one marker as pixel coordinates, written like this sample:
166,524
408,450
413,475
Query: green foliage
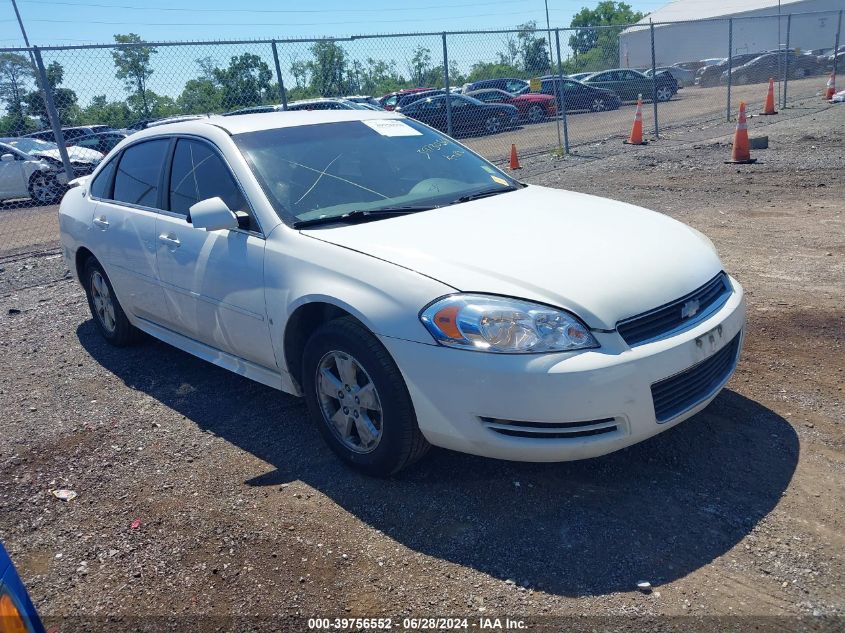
115,113
200,96
533,52
328,68
596,49
133,67
245,82
488,70
63,98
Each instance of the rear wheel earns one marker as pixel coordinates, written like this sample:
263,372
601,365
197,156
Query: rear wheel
598,105
493,124
108,315
358,399
664,93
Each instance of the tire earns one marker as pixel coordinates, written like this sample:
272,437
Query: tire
44,188
598,105
109,316
493,124
536,114
389,439
664,93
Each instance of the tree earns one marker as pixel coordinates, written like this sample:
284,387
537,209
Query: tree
603,41
64,99
328,68
115,114
533,52
419,66
200,96
134,69
15,74
245,82
490,70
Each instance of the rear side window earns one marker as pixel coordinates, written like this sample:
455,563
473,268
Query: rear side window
101,187
199,173
136,181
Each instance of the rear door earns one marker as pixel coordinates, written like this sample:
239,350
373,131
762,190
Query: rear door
213,281
123,237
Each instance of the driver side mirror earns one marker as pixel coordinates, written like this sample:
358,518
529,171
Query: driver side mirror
7,158
212,214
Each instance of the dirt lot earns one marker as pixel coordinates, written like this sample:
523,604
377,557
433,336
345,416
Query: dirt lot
242,509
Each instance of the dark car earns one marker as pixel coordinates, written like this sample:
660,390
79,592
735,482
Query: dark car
17,614
390,100
578,95
628,84
772,66
469,116
70,133
532,106
407,99
709,76
508,84
683,76
102,142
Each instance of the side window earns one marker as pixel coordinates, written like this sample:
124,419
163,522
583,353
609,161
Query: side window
101,187
90,143
136,180
514,86
198,173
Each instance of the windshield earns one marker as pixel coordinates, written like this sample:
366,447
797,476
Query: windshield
330,169
30,145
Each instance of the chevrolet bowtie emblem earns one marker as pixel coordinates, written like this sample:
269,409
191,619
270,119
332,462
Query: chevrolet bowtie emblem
690,309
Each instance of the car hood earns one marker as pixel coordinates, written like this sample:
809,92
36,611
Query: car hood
601,259
77,154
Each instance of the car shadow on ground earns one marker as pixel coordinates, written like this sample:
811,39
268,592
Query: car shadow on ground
656,511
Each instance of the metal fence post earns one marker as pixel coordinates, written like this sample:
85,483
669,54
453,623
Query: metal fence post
446,86
53,114
562,93
836,47
279,76
654,81
730,66
786,61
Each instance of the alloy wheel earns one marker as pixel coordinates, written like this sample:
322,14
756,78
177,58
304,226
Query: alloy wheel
536,114
598,105
349,401
664,94
103,303
493,124
42,189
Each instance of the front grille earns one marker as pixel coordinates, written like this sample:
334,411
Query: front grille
553,430
681,392
675,316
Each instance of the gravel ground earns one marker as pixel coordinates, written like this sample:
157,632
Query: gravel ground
201,493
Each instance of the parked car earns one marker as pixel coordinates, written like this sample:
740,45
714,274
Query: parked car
17,613
82,160
389,101
70,134
579,96
825,62
581,76
772,65
262,109
365,100
373,265
469,115
25,176
531,106
508,84
408,98
694,65
323,104
682,76
710,75
102,142
628,83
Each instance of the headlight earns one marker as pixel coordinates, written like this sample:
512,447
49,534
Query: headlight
507,326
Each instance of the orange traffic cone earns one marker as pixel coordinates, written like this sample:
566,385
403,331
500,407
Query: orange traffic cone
741,153
770,99
831,87
636,137
514,158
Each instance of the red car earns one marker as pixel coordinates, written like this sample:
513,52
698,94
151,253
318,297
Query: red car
531,106
388,101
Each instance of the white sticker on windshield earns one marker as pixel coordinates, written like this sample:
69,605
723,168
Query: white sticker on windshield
391,127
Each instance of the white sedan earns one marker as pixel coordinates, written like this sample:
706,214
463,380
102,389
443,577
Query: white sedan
25,176
411,291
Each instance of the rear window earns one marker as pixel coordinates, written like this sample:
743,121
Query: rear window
136,181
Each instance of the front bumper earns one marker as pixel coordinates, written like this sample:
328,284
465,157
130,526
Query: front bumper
506,406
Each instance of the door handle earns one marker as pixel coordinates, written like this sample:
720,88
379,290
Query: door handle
170,240
101,222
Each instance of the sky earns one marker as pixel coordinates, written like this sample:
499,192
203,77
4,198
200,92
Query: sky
60,22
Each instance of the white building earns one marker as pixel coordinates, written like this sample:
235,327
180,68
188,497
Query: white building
756,27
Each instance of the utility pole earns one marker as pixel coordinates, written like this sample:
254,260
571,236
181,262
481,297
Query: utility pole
559,84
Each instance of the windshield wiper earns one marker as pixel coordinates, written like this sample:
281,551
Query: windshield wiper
361,216
485,193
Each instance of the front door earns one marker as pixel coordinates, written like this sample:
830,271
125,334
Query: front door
213,281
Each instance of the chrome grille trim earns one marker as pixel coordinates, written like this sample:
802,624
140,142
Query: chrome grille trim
553,430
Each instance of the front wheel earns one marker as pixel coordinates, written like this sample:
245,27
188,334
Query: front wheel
598,105
357,397
493,124
536,114
44,188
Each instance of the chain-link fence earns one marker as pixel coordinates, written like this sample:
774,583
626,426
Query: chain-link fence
543,90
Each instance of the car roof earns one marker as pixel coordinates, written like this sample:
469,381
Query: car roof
244,123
